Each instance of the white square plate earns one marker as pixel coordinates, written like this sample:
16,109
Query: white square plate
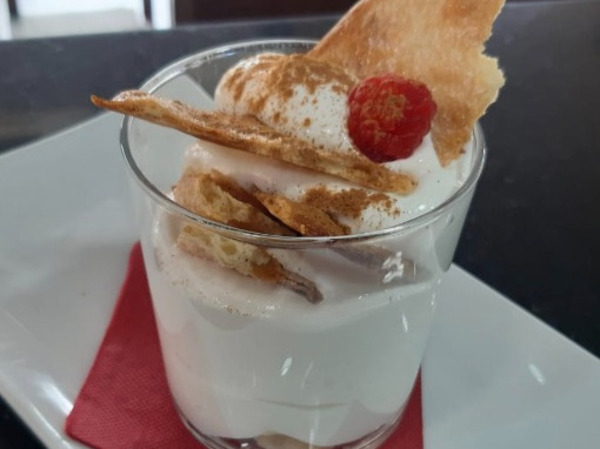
493,376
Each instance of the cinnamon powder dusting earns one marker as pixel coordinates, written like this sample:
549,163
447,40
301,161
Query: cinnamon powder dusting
282,74
302,70
240,75
350,202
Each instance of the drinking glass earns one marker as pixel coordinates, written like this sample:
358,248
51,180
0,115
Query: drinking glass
252,364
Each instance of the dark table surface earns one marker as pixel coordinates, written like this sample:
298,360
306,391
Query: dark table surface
533,232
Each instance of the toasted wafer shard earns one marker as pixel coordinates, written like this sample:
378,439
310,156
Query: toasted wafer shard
312,221
231,186
249,134
244,258
306,219
438,42
212,195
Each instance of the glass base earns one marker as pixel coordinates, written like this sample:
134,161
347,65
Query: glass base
371,441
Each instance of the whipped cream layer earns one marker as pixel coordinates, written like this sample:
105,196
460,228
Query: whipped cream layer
436,183
247,358
307,99
291,93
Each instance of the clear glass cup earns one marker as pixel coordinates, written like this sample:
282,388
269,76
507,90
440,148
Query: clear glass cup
251,364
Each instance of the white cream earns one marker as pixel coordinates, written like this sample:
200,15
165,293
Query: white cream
324,109
246,358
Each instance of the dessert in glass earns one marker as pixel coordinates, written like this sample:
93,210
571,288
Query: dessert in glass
293,253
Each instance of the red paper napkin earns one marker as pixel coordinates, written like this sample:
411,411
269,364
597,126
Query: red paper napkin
125,401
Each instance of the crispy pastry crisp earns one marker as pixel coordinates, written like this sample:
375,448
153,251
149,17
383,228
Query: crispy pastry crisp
249,134
244,258
206,195
437,42
306,219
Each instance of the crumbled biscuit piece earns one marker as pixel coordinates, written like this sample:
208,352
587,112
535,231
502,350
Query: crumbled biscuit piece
310,220
306,219
244,258
219,198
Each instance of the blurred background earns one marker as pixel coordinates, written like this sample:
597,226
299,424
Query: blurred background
23,19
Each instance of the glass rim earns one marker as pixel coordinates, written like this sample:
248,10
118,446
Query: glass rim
178,67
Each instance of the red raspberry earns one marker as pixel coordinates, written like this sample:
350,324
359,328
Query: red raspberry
389,116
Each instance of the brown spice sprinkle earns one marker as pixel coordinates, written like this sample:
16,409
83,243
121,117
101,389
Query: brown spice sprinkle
349,202
282,73
237,81
244,258
311,73
217,197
